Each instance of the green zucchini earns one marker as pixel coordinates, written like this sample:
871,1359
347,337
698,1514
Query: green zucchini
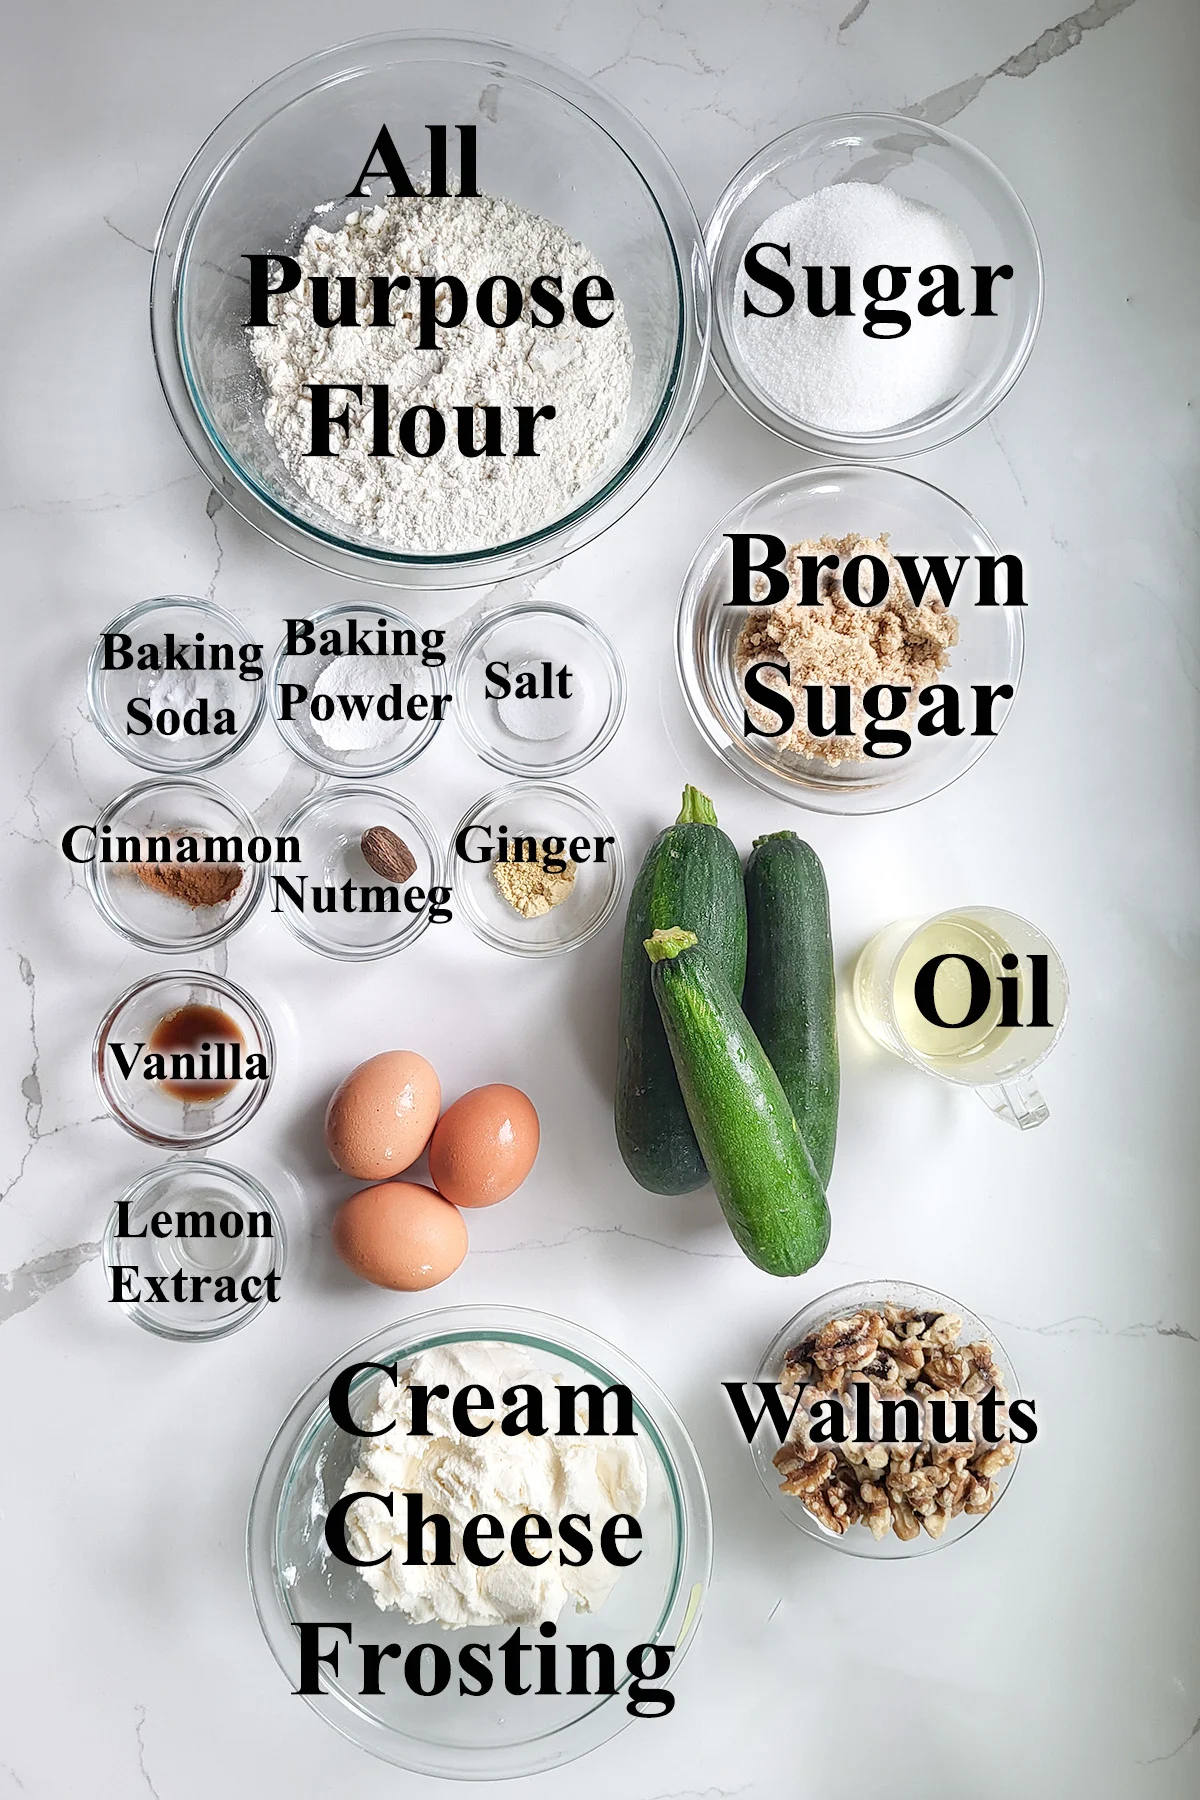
691,871
790,997
759,1163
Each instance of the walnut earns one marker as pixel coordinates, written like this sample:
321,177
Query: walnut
905,1523
946,1369
910,1359
899,1487
878,1509
847,1343
978,1497
806,1476
797,1368
882,1368
994,1459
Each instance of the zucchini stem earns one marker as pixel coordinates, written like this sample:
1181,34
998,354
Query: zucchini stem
770,837
669,943
697,808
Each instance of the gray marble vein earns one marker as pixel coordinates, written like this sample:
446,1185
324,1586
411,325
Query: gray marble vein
1056,40
578,1232
1168,1755
139,1721
22,1287
856,12
212,508
148,248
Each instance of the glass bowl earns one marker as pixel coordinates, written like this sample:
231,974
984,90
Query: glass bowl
223,1223
330,826
171,695
857,1540
922,163
147,917
538,809
345,746
294,1579
548,141
141,1103
542,732
920,520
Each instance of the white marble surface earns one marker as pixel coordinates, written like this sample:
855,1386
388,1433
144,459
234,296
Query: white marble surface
1055,1653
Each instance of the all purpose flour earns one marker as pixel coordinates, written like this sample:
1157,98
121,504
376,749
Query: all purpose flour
447,501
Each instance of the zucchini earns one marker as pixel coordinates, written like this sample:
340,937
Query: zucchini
790,997
691,871
760,1166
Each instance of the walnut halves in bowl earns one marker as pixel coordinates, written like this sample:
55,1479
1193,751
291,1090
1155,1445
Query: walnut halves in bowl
874,1360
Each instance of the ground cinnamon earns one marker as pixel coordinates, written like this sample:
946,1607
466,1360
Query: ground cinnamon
196,884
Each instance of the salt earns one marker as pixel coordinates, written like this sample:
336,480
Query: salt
536,720
827,372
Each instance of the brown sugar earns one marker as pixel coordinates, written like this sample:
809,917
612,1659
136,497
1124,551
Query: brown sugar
838,644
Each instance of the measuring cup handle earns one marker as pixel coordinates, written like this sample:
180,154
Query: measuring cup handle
1017,1102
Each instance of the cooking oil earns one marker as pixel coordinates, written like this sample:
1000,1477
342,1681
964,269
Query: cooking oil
973,997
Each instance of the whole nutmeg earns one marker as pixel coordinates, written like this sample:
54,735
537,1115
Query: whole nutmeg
387,854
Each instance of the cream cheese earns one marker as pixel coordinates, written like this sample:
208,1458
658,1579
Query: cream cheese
460,1476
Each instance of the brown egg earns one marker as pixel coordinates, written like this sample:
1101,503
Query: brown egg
400,1235
484,1146
379,1120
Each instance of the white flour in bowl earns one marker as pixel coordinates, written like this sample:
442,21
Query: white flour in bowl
447,501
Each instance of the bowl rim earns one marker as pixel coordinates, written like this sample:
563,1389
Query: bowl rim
325,796
251,1188
608,655
815,795
253,874
642,465
854,1295
682,1468
143,609
291,738
586,804
953,420
258,1090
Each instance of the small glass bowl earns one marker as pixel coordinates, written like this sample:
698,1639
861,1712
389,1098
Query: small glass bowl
920,520
546,736
538,809
330,826
857,1540
549,141
922,163
109,691
294,1580
248,1239
348,757
140,1104
157,921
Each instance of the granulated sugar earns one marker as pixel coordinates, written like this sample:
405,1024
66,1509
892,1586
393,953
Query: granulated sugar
827,372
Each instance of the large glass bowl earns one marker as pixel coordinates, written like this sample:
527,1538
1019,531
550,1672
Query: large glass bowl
548,141
857,1540
294,1578
922,163
919,519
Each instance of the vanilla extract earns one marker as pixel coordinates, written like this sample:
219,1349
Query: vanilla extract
195,1053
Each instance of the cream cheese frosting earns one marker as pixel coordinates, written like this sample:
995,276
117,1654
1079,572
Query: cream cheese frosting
461,1476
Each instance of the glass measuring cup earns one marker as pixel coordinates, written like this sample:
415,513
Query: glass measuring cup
976,996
